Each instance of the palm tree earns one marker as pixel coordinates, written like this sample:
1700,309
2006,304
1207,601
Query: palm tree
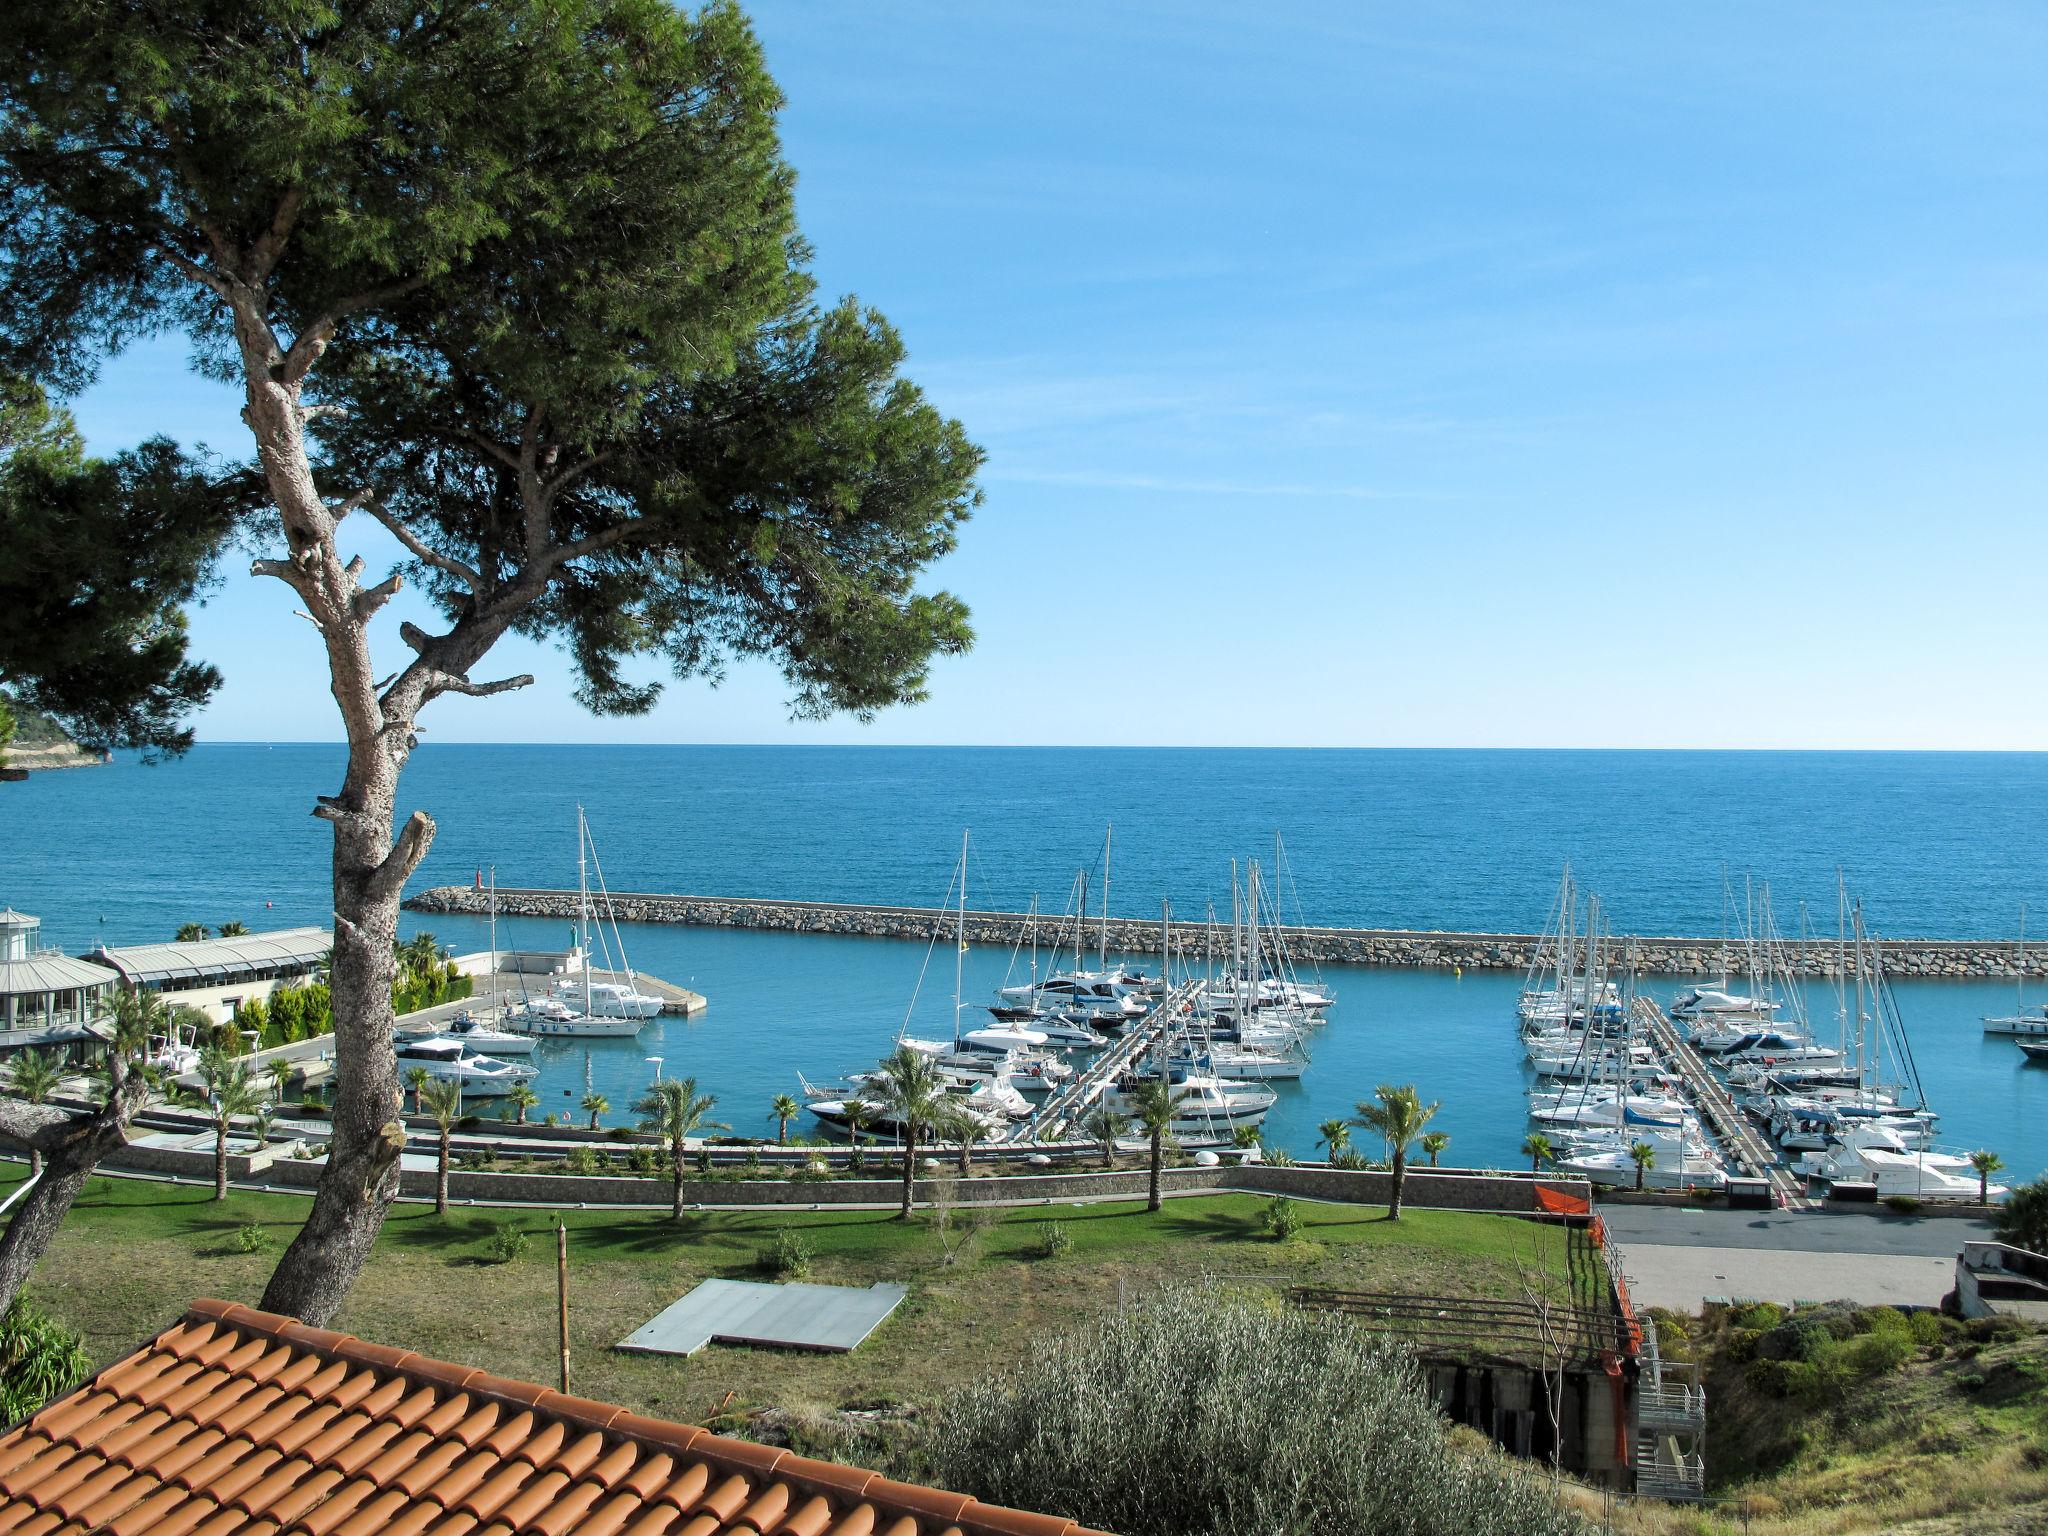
782,1111
417,1078
226,1090
1155,1104
673,1110
1537,1145
910,1091
192,933
1398,1115
1105,1125
1336,1135
1986,1164
1644,1156
279,1072
33,1077
422,952
1434,1143
443,1102
956,1122
595,1104
234,930
860,1117
522,1098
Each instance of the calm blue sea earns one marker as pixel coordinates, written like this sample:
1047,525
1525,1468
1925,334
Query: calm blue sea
1943,844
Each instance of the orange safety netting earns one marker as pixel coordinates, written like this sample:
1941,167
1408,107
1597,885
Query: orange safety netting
1558,1203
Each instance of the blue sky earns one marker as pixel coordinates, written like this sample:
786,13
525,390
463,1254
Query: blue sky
1605,375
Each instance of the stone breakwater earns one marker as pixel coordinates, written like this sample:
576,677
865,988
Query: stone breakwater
1409,948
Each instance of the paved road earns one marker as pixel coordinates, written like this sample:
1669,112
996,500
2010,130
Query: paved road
1675,1256
1791,1231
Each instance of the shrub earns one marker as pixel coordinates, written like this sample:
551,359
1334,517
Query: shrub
1054,1241
1874,1354
1350,1159
506,1243
251,1238
644,1160
586,1160
1902,1205
1927,1328
788,1256
1281,1218
39,1359
2023,1219
1279,1157
1196,1415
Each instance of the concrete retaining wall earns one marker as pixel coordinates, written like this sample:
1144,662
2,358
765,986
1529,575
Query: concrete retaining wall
1424,1191
1345,946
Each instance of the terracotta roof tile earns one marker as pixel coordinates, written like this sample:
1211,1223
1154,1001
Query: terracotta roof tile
240,1423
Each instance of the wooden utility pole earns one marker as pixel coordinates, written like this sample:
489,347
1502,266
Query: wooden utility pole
562,1296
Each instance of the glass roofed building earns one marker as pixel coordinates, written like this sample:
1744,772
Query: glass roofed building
213,975
47,998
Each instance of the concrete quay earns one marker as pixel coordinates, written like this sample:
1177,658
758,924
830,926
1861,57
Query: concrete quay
1392,947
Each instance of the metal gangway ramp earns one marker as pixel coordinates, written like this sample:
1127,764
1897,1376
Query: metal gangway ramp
1065,1109
1740,1139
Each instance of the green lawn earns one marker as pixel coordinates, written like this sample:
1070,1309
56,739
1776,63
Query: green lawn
133,1254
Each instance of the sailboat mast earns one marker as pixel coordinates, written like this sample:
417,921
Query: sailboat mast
1102,954
2019,993
494,931
1236,932
583,902
960,936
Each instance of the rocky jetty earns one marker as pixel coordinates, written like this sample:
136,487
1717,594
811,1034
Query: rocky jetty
1409,948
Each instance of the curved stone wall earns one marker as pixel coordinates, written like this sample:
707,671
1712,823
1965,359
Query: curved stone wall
1343,946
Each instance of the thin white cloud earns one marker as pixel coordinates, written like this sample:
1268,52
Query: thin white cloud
1112,480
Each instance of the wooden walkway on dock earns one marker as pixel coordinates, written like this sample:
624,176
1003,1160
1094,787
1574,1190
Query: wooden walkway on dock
1754,1156
1065,1109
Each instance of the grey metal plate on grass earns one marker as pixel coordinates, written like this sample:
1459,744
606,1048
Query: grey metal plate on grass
835,1317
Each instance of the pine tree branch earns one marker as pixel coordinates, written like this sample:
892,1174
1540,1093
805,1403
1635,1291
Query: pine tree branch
420,548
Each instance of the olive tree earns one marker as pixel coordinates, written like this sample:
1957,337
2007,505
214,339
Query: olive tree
521,287
1197,1414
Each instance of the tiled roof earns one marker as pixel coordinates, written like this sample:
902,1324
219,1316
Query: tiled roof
243,1422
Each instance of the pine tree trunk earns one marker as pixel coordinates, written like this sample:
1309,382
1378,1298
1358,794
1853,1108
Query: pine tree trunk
74,1150
361,1178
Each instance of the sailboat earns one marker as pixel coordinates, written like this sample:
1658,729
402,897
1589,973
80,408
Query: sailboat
574,1011
986,1071
2026,1026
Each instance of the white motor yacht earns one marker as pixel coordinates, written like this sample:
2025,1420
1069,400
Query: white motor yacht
486,1040
1873,1155
1210,1106
448,1061
1241,1063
